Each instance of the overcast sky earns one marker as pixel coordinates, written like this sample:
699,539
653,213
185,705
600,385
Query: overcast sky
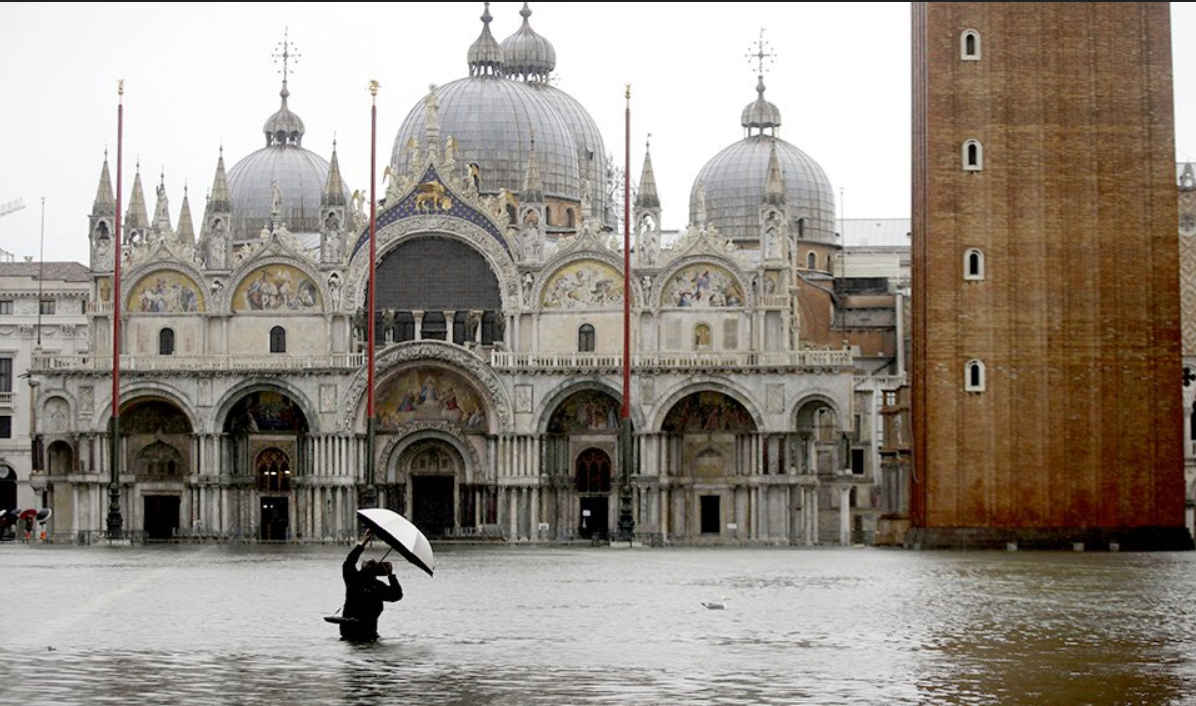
201,75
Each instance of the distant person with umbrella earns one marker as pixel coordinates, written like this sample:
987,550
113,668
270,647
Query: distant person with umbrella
365,593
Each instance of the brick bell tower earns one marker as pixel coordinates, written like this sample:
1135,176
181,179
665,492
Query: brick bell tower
1046,404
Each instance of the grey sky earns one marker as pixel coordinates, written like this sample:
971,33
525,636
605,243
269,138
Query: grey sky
201,75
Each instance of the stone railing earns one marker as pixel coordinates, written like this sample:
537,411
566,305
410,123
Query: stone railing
5,399
561,362
198,363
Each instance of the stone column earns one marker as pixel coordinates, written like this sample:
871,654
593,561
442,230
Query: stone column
419,324
513,496
845,514
449,318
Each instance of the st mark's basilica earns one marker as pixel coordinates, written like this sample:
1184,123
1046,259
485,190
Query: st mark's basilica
499,323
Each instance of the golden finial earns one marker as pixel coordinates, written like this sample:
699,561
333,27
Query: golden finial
120,87
627,93
374,86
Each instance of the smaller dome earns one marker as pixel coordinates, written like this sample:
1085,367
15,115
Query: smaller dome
284,127
485,54
526,54
760,114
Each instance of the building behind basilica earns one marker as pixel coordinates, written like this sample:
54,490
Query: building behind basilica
759,369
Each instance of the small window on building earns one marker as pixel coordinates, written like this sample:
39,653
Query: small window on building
585,338
548,215
969,45
166,342
5,307
1192,423
5,374
973,264
47,307
830,263
811,261
5,427
569,222
974,376
278,340
801,228
973,156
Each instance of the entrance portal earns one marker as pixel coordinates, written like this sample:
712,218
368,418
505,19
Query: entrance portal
594,522
274,519
161,516
432,504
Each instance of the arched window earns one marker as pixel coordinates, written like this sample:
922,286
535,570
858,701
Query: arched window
273,471
974,376
166,341
811,261
801,228
585,339
830,263
973,264
569,218
547,215
973,156
969,45
278,340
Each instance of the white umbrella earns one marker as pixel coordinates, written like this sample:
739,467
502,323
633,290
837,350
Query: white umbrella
401,535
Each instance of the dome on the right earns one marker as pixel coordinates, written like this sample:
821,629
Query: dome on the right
733,182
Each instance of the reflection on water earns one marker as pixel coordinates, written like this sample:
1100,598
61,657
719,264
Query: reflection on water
534,625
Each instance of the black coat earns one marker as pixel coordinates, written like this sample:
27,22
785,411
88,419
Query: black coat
364,595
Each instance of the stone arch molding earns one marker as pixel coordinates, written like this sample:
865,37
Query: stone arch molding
393,235
707,383
666,275
561,392
224,300
500,413
408,438
571,257
134,277
820,396
150,389
234,394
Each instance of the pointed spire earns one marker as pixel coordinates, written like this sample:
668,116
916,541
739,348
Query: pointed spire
774,182
105,203
220,200
186,232
647,196
162,208
485,55
533,186
136,217
334,187
761,114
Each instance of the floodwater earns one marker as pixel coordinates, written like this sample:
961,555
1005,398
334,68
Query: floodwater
587,625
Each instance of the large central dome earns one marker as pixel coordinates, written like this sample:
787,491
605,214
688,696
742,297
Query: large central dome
496,112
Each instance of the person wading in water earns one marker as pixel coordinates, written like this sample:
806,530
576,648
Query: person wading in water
365,593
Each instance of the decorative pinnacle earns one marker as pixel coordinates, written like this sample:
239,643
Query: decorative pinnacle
286,52
486,16
120,89
763,50
374,86
627,93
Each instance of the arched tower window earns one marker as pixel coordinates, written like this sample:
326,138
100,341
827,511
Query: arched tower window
166,341
973,264
278,340
585,339
969,45
973,156
569,222
811,261
974,377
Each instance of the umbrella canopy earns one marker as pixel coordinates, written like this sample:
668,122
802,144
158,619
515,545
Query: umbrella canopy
401,535
44,514
28,513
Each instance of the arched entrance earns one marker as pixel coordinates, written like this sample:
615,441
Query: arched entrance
433,467
159,441
265,432
592,479
60,458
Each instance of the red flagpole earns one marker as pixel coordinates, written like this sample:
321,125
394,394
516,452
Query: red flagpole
370,324
115,521
626,413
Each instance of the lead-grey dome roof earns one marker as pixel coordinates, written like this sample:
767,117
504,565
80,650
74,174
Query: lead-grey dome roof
492,119
734,180
300,174
526,54
591,151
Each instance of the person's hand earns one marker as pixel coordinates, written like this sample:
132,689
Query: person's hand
387,569
367,536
